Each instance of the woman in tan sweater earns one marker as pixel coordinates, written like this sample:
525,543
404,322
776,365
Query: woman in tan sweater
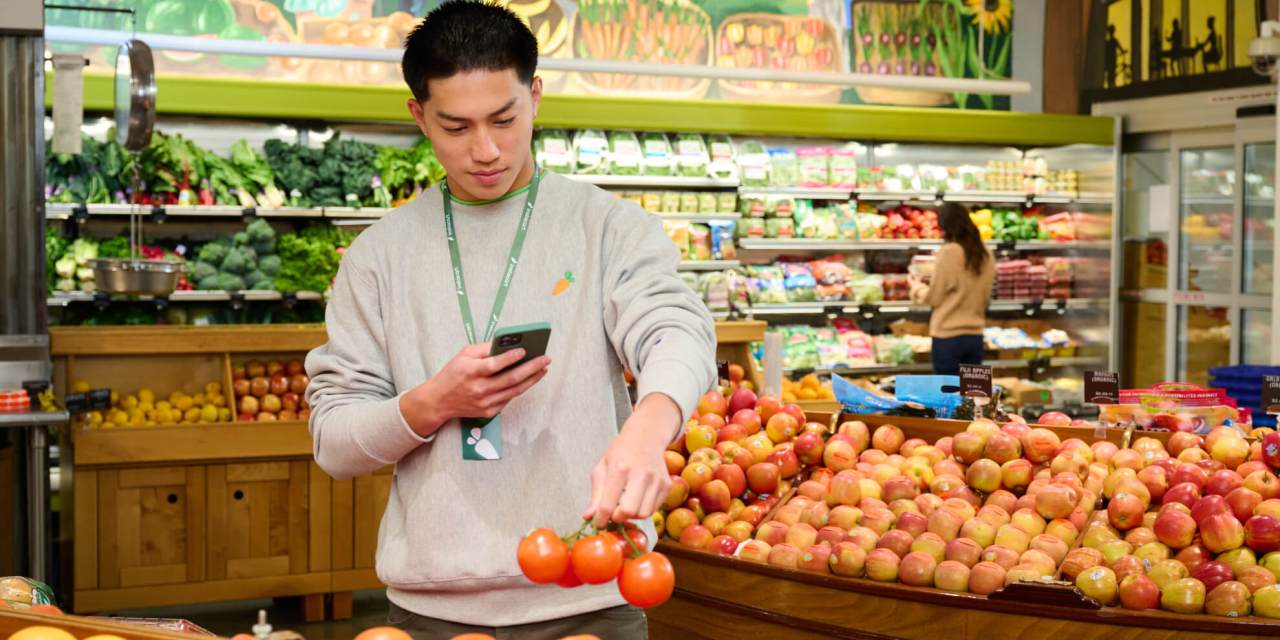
959,292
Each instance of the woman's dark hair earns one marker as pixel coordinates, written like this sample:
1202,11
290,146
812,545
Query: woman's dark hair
957,227
465,35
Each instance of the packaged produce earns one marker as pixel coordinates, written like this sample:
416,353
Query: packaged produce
721,164
699,242
1173,406
869,225
766,285
726,201
670,202
753,164
707,202
554,151
780,206
632,196
19,592
625,153
590,149
657,154
864,288
831,270
678,231
799,281
831,354
722,240
688,202
843,171
858,347
814,166
651,201
922,266
779,228
751,228
800,350
893,350
784,168
752,207
691,155
714,288
897,287
1059,227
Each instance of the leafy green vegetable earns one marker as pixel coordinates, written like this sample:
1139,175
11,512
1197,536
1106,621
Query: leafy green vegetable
54,247
213,253
202,270
306,263
117,247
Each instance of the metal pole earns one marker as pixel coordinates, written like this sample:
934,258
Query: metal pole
37,502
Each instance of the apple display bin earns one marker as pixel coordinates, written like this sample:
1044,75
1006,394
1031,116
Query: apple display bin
185,514
13,620
725,598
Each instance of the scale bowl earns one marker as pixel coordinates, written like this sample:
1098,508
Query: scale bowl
136,277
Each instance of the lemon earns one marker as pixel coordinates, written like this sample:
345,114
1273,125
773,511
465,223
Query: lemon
146,395
95,417
119,416
130,402
209,413
137,421
150,423
827,394
164,405
115,398
183,403
146,405
212,389
191,415
198,399
80,386
807,394
224,414
218,400
108,425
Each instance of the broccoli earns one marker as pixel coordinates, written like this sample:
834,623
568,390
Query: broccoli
235,262
212,253
208,283
264,247
265,284
229,282
254,277
269,265
202,270
250,256
240,239
260,231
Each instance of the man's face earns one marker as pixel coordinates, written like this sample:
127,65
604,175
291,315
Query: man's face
481,125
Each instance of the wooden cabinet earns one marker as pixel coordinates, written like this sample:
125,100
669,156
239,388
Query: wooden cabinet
257,519
151,526
358,505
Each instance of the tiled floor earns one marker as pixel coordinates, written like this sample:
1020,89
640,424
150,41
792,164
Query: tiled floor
228,619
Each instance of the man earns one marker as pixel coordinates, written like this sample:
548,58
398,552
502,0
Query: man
406,360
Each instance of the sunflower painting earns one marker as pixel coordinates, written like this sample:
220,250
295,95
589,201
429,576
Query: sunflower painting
992,15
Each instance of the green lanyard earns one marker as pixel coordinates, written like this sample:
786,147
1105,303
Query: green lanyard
459,284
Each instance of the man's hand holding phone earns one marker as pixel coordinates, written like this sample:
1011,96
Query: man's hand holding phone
472,385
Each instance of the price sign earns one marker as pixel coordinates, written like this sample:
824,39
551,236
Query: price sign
975,381
1102,387
1271,394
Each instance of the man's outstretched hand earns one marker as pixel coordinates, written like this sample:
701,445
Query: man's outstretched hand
631,479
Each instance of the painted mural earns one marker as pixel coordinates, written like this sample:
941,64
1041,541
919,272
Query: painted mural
939,38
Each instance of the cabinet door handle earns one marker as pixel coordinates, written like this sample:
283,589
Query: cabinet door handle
238,495
172,498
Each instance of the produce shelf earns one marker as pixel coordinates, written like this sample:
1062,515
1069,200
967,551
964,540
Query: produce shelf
812,193
62,299
902,306
62,211
709,265
702,217
798,244
924,367
895,196
687,182
799,308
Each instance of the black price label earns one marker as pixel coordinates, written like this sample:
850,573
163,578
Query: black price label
1271,394
100,399
975,381
1102,387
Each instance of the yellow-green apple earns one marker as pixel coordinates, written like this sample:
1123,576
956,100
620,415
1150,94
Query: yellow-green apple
1016,474
1183,596
882,565
1238,559
1099,583
1029,521
847,559
815,559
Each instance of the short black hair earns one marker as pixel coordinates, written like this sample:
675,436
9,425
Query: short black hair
467,35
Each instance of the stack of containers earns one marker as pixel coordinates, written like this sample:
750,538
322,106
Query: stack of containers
1061,277
1011,279
1037,283
14,401
1092,277
1244,384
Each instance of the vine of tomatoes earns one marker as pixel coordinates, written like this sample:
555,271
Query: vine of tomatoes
645,578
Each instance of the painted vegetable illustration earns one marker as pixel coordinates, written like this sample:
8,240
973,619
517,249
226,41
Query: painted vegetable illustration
783,43
652,31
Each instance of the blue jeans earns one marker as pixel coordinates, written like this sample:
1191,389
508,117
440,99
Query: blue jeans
950,353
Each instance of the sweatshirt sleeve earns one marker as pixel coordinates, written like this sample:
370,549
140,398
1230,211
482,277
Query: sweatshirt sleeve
356,425
659,328
950,262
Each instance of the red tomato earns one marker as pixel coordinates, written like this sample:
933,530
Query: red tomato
596,559
647,581
543,556
570,579
383,633
639,539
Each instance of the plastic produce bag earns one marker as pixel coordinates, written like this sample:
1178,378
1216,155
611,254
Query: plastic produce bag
813,166
20,592
699,242
799,348
930,391
657,154
678,231
691,155
589,149
844,169
751,228
766,285
798,279
855,399
753,164
779,228
554,151
722,247
625,154
784,169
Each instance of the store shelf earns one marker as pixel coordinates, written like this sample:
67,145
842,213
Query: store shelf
1208,199
849,307
980,197
673,182
373,213
799,308
811,193
924,367
61,211
808,244
895,196
1051,245
709,265
62,299
702,217
33,419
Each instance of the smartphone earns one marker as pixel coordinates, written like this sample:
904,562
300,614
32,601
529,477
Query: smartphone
532,338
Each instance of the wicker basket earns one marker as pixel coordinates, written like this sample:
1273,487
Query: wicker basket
751,90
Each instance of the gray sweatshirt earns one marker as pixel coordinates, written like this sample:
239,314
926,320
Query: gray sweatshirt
447,542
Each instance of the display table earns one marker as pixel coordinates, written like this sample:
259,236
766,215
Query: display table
174,515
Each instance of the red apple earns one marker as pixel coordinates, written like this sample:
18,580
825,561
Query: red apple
897,541
773,532
1078,560
1212,574
1256,577
964,550
1263,482
839,455
749,419
785,555
763,477
1125,511
1000,555
1002,447
1055,501
1175,529
816,559
916,569
741,400
1128,565
1040,445
882,565
1193,556
1229,599
794,411
1271,449
723,545
1016,474
887,438
986,578
1262,533
713,402
857,432
1222,482
899,487
1221,532
913,523
733,477
1156,479
696,536
1189,473
249,406
967,446
1242,502
1187,493
847,559
1138,592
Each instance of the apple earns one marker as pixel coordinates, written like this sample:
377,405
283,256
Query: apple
993,515
1187,493
864,537
250,406
1078,560
1264,483
715,421
966,495
1239,559
984,475
1175,529
986,578
1125,511
913,523
1269,507
1262,533
1038,559
1242,502
948,468
1208,506
1167,572
900,487
1212,574
1051,546
794,411
741,400
809,447
1069,463
1256,577
839,455
1002,447
677,494
756,551
734,478
739,530
699,436
815,515
785,555
1055,501
763,477
1138,592
1029,521
713,402
1003,499
1128,565
916,569
1142,535
932,544
1156,479
1054,419
1222,482
831,535
1040,444
696,475
844,516
946,523
1192,473
259,386
908,447
878,520
1001,555
748,419
857,432
1194,455
882,565
887,438
240,387
928,502
946,483
1230,451
964,550
298,383
1015,427
696,536
1011,537
897,541
1098,583
1221,532
846,559
1193,556
1183,596
1103,451
815,559
979,531
1228,599
950,575
1153,552
967,446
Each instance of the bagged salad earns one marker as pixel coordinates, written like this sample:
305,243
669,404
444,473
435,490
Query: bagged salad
721,163
766,286
553,151
844,169
753,164
799,282
625,154
813,166
657,154
691,155
784,168
590,147
722,240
